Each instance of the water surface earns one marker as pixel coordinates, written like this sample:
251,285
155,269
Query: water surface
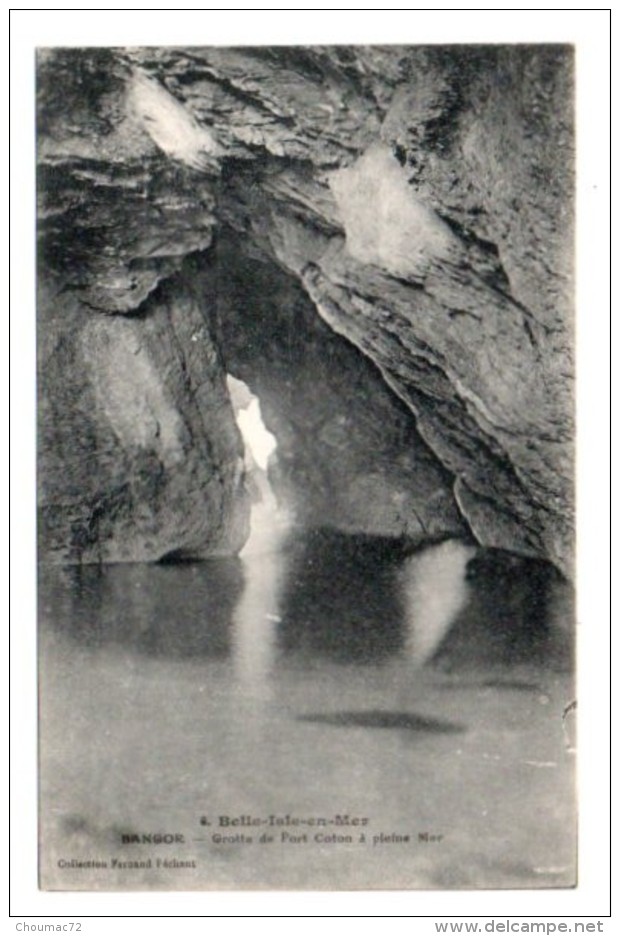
320,677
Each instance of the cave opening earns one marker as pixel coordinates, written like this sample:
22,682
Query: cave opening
268,517
349,456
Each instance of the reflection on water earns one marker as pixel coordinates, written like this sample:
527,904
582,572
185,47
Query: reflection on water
435,589
181,610
517,611
310,676
318,594
257,612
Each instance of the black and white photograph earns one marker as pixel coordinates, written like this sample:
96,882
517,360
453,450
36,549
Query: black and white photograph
306,466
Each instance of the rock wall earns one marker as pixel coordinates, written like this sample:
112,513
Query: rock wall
420,197
140,455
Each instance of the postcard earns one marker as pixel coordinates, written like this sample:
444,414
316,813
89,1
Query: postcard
305,336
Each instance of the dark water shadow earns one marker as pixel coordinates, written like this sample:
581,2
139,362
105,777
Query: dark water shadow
375,718
177,611
339,600
509,618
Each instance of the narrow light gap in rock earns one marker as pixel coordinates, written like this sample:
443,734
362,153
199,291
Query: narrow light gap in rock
268,520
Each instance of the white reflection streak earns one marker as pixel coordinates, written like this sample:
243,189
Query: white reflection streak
434,589
257,614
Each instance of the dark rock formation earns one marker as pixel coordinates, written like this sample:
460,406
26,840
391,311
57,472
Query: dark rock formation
139,452
420,197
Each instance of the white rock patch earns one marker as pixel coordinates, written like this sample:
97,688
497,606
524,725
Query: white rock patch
169,125
385,223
